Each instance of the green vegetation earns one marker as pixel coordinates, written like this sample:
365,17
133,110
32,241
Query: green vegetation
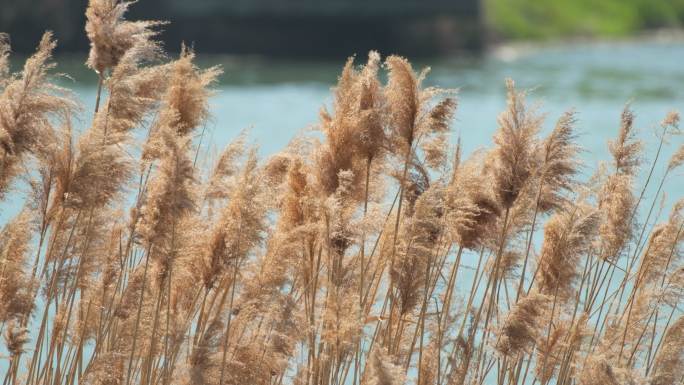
534,19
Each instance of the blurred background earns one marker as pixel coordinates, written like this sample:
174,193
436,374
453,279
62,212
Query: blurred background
338,28
281,57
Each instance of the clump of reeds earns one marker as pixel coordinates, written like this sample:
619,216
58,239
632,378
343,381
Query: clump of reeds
373,254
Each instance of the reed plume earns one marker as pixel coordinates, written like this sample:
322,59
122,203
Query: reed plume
597,371
473,206
567,235
111,35
616,200
15,297
667,368
514,157
521,328
559,165
383,372
29,103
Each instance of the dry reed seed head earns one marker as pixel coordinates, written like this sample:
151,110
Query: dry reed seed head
521,214
345,92
29,104
371,119
558,164
171,193
403,101
134,89
222,179
509,261
615,203
294,211
16,336
549,353
188,92
435,151
597,371
334,159
110,35
428,368
440,116
286,324
513,160
339,153
383,371
677,159
633,336
15,296
106,369
419,235
434,127
249,365
96,246
567,235
100,170
663,251
522,325
243,220
668,366
342,316
276,169
626,150
671,119
204,362
564,339
472,208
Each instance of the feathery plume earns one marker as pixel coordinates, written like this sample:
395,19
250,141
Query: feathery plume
133,88
567,235
677,159
338,153
170,195
15,296
521,328
110,35
107,369
558,164
188,92
383,372
663,248
668,367
204,359
615,199
472,207
410,113
626,149
184,103
371,101
513,159
598,371
28,104
616,203
15,338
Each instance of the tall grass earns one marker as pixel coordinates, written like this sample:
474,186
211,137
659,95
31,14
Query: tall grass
374,253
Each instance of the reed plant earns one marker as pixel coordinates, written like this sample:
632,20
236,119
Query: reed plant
374,253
